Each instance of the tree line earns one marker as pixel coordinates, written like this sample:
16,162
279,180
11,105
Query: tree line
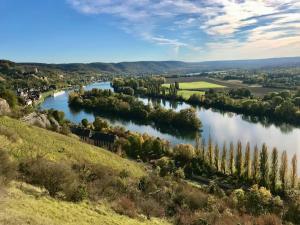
266,169
127,106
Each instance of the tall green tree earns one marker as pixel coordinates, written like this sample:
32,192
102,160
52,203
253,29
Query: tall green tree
239,160
247,162
274,169
294,179
255,173
264,166
224,159
283,170
198,145
231,159
203,150
217,155
210,152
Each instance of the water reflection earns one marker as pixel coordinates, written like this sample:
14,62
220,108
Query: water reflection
221,125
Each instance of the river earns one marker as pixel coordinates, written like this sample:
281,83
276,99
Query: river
221,126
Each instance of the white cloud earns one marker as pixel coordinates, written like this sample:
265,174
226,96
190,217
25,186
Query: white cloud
268,26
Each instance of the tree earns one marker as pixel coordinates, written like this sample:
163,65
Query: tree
231,159
264,166
100,124
203,150
256,164
224,159
239,160
184,152
210,151
198,144
274,169
294,180
247,162
283,170
217,154
85,122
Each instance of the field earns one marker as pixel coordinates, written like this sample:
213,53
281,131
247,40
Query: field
186,94
196,85
256,90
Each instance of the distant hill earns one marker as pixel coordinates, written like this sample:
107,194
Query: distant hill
153,67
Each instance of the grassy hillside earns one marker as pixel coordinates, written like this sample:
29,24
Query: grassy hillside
22,203
25,204
25,141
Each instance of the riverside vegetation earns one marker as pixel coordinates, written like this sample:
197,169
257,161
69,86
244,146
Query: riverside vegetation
106,101
283,106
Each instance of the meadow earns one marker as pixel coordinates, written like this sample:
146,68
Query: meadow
196,85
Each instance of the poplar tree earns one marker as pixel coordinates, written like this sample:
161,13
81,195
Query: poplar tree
231,159
264,166
217,154
283,170
198,144
239,160
247,162
256,164
224,158
274,169
203,150
294,172
210,151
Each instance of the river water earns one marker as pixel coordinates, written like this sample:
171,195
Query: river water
222,126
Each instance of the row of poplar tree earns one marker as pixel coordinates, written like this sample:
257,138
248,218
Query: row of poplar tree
259,169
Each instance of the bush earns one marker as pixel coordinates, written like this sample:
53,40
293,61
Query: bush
7,168
125,206
151,208
53,176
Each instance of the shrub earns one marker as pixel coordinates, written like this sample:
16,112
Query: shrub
75,192
7,168
190,197
258,200
125,206
53,176
151,208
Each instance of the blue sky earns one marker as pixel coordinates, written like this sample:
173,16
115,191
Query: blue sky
60,31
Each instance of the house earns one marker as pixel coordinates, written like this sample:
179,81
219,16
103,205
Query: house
95,138
103,140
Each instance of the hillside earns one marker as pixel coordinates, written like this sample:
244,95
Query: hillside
23,203
32,140
153,67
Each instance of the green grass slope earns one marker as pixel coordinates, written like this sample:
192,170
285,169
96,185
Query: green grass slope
30,141
25,204
22,203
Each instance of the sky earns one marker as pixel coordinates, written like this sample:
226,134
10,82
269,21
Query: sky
63,31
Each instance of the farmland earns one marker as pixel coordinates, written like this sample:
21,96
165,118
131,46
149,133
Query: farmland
258,91
196,85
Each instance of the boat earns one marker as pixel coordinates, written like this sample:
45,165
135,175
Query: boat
57,93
